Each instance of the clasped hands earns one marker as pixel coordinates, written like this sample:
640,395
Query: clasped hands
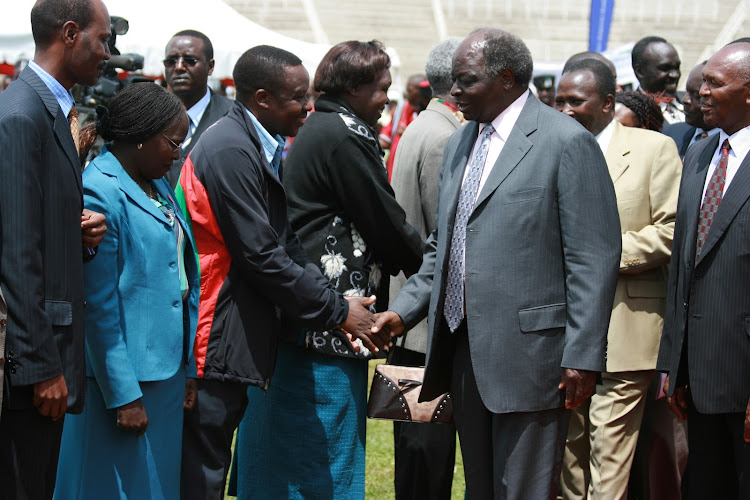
359,325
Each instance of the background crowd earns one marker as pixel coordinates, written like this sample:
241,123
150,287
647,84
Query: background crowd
569,264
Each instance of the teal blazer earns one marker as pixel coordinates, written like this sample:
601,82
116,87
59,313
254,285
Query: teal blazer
137,327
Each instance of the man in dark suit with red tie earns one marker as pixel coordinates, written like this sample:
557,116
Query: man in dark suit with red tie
41,224
705,345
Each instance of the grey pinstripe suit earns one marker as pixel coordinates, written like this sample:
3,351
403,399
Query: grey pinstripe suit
41,274
542,255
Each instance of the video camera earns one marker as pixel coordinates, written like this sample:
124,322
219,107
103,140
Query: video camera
109,84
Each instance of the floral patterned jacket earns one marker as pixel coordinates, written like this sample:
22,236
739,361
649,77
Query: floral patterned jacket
342,207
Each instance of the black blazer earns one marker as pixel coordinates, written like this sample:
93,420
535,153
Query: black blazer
705,341
41,269
682,133
217,107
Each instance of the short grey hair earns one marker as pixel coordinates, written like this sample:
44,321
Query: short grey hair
503,50
438,66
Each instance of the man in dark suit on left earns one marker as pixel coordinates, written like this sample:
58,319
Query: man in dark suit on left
188,62
42,222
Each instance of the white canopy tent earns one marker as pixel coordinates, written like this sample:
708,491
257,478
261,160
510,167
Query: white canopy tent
152,24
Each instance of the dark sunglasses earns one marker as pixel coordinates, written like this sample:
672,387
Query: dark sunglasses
171,62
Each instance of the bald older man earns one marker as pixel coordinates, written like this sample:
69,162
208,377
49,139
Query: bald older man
705,345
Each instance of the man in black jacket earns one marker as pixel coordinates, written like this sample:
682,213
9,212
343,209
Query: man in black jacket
253,269
188,62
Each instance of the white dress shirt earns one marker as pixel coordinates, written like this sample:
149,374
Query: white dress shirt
195,113
739,144
604,137
503,124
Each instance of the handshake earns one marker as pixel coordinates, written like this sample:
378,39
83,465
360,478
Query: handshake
375,330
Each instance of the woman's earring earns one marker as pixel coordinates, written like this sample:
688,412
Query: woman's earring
139,146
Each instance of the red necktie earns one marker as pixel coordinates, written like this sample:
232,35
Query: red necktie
712,198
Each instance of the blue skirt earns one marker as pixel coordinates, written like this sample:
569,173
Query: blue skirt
99,461
305,437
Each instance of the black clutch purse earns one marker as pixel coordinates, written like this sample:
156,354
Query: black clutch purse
394,395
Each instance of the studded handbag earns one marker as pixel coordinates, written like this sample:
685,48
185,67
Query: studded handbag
394,395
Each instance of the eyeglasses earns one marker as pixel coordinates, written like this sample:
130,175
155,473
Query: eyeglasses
174,145
171,62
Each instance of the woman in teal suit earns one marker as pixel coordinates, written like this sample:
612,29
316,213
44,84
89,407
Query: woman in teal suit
141,294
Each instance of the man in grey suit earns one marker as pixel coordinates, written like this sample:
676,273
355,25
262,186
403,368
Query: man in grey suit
518,278
41,224
705,347
425,455
188,62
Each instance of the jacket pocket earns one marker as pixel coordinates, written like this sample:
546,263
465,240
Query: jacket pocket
647,289
60,312
533,193
542,318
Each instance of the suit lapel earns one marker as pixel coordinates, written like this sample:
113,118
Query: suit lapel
61,126
515,149
128,186
617,154
692,196
686,141
733,200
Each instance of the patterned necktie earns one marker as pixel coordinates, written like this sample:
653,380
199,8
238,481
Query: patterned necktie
74,129
189,136
712,198
454,292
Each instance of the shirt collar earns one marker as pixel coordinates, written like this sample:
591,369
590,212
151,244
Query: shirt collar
699,131
63,97
739,142
196,111
505,121
272,146
604,137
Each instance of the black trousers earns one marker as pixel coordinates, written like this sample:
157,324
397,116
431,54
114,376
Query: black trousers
718,459
425,453
207,438
29,449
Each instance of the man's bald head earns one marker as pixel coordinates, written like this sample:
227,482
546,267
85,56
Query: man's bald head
725,93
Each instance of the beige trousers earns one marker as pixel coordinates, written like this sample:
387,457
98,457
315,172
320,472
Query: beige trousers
602,436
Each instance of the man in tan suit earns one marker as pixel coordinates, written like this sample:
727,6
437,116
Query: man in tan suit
645,168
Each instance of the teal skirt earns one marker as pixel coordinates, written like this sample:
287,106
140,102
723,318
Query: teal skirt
305,437
100,461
